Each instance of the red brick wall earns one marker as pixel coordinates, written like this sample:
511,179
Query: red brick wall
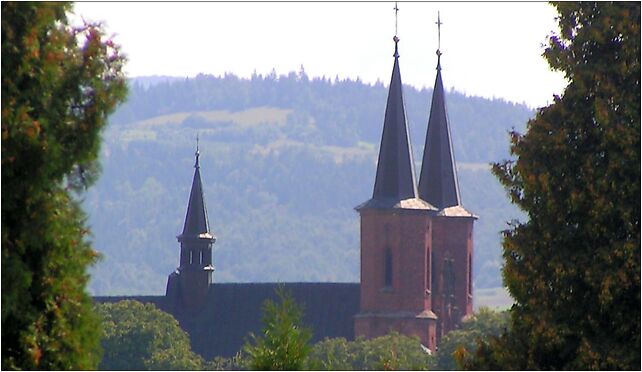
452,239
407,234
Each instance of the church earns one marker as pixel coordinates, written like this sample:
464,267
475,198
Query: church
416,253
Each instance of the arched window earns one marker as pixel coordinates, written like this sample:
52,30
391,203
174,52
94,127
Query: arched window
388,269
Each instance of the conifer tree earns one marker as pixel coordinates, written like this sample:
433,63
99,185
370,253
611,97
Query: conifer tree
574,267
58,85
283,344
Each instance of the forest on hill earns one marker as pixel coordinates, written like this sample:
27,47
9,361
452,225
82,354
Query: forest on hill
284,160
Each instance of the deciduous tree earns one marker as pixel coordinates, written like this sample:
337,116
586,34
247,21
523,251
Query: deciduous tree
391,352
484,323
139,336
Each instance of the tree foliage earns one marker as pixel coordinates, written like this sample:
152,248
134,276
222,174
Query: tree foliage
574,267
464,340
139,336
391,352
59,83
283,342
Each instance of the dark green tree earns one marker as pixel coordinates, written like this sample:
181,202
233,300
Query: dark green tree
283,342
59,83
574,267
485,322
391,352
139,336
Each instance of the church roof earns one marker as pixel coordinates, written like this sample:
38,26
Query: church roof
438,183
233,310
395,179
196,221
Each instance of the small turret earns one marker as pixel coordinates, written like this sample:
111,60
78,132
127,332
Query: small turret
188,285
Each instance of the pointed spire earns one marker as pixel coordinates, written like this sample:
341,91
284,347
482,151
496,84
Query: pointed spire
395,170
196,221
438,183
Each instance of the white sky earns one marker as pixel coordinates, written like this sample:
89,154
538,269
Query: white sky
489,49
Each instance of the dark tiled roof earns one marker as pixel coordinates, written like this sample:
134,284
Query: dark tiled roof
438,183
395,170
196,222
233,310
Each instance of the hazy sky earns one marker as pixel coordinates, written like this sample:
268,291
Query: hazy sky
489,49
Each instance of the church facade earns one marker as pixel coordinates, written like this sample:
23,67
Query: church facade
416,253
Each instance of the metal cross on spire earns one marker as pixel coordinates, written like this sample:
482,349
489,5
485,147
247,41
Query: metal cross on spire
198,153
438,23
396,9
396,38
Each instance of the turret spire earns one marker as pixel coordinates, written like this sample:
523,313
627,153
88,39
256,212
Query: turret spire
438,183
196,222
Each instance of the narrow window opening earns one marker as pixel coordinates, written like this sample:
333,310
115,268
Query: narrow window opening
470,275
191,257
388,269
433,274
428,269
449,276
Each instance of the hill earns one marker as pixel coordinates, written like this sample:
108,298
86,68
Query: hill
284,160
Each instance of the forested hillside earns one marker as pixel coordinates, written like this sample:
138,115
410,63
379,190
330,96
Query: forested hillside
284,160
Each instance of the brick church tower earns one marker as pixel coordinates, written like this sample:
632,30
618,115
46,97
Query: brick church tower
396,237
416,242
452,242
188,285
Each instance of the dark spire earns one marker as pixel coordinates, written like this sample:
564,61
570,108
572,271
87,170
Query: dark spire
196,222
438,180
395,169
395,185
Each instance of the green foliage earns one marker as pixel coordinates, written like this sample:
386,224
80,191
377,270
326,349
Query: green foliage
574,267
235,363
59,83
391,352
139,336
463,341
283,343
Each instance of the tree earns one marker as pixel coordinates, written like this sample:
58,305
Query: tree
59,83
391,352
283,343
463,341
574,267
139,336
